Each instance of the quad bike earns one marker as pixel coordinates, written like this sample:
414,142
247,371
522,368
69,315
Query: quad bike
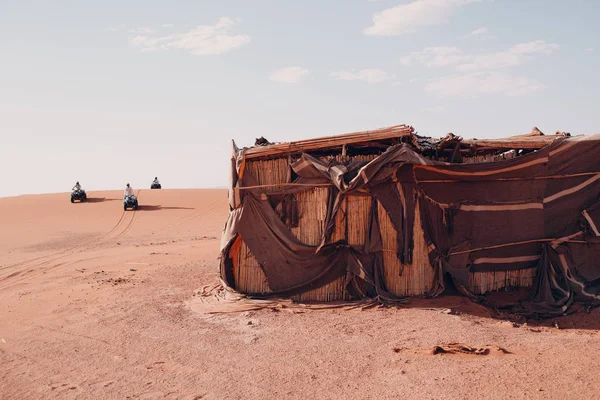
155,186
130,202
78,195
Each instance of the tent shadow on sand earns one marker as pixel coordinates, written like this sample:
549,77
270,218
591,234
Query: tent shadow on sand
159,207
498,307
98,199
215,300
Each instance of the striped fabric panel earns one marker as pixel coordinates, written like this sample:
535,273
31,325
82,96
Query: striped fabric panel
501,207
540,160
486,264
591,222
505,260
572,142
580,285
571,190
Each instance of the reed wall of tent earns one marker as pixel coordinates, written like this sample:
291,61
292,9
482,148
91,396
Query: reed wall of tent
352,222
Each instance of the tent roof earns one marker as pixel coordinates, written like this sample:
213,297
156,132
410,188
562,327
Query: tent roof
330,142
394,134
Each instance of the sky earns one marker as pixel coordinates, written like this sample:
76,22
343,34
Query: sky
109,92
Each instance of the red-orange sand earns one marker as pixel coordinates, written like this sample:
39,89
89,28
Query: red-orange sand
94,304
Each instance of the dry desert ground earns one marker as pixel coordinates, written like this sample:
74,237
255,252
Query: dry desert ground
97,303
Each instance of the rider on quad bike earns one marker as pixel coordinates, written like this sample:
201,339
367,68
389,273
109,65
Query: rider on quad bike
155,184
78,193
129,199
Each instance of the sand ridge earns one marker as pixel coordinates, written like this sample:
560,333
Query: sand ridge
95,304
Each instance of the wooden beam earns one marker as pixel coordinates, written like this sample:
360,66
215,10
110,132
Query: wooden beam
328,142
534,132
520,142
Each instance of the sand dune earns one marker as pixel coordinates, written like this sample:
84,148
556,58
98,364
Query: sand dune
94,305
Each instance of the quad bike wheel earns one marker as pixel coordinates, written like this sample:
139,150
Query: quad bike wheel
124,207
72,200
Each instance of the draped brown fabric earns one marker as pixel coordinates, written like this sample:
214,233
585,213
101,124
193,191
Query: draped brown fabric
537,210
290,266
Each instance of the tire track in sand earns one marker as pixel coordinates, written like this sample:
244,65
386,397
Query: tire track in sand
134,214
69,249
194,214
64,253
59,253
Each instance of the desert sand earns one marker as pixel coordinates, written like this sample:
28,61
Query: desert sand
97,303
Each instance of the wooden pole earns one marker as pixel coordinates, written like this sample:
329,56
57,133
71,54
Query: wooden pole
518,243
312,185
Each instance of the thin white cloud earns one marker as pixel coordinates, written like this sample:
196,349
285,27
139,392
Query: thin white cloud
116,28
481,73
437,56
588,50
516,55
481,83
201,41
373,75
138,30
289,75
409,17
479,31
142,31
443,56
479,34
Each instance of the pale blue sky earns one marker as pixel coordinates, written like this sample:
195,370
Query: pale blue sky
110,92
